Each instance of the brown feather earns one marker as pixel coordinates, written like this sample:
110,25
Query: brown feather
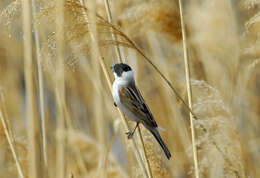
132,99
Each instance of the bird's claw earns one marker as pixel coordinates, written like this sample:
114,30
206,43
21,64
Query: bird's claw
129,134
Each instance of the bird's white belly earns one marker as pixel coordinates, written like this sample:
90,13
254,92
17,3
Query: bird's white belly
126,111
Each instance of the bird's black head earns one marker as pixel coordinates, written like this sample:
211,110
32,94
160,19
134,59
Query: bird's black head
120,68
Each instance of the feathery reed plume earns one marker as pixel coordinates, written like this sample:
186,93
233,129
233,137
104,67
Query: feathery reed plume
148,165
10,13
156,158
89,150
161,17
218,119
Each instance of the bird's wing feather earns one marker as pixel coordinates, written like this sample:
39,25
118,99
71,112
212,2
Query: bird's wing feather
132,99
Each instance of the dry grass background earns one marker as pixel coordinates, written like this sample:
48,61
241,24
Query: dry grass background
56,109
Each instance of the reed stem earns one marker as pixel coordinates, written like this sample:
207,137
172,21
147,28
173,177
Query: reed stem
60,90
187,75
114,37
41,86
10,140
30,95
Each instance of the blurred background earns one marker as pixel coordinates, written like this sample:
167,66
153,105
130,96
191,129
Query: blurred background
56,108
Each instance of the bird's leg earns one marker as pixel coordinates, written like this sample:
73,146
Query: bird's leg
130,134
115,104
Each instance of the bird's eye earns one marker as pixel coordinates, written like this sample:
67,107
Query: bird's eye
126,68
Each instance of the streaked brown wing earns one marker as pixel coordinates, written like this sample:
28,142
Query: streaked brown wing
132,99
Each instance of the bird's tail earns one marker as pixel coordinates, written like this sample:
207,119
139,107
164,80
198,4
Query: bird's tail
160,141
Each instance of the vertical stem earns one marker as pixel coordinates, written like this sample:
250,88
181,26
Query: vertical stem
114,37
4,110
10,140
60,89
28,69
95,54
187,74
145,153
41,86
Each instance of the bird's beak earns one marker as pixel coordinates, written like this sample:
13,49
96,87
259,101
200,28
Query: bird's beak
112,68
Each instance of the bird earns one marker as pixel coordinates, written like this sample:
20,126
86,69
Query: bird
129,100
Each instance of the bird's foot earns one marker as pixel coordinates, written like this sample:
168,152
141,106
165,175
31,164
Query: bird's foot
129,134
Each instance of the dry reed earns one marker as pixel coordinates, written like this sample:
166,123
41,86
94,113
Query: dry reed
30,91
9,137
70,86
60,90
187,76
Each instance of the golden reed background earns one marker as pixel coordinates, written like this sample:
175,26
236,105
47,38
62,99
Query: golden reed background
56,109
